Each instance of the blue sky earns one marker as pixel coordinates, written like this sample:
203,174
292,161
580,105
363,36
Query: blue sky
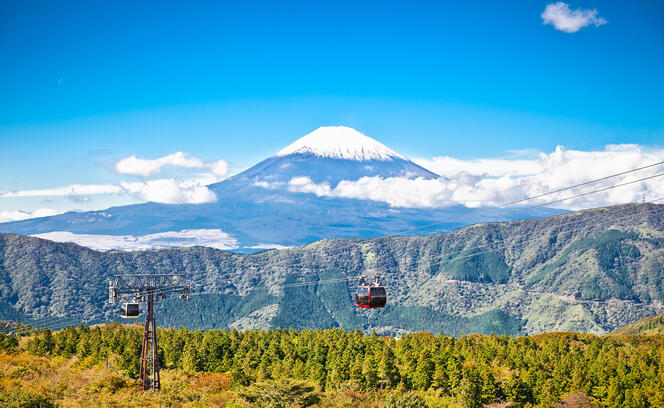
85,84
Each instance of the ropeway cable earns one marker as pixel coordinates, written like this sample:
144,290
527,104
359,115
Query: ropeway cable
515,212
541,195
428,260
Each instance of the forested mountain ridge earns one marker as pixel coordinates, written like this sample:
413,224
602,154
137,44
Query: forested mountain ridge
651,325
592,271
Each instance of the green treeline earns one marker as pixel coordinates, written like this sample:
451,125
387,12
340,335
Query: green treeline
616,371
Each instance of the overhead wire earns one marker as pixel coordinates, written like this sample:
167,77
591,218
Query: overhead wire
428,260
57,324
482,210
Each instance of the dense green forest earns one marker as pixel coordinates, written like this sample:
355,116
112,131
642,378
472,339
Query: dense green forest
425,369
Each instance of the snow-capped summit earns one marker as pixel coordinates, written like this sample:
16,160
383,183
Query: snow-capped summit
340,142
327,155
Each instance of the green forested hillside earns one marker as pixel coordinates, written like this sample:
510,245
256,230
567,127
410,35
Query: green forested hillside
652,325
344,369
591,271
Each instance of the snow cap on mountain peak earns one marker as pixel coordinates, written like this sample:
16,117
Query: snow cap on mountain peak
340,142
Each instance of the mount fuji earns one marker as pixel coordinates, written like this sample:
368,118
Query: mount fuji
326,155
270,205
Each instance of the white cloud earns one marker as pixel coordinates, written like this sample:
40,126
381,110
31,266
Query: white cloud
214,238
449,166
189,188
165,191
171,191
71,190
563,19
7,216
491,182
149,167
305,185
219,168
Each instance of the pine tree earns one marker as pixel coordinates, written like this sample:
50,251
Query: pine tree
387,369
356,374
424,371
47,344
191,358
470,390
370,372
489,388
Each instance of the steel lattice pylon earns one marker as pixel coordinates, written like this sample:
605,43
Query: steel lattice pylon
149,288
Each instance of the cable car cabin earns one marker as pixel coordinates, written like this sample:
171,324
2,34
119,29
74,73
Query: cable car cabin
130,311
370,297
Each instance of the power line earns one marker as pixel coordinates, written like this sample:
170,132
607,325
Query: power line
541,195
555,227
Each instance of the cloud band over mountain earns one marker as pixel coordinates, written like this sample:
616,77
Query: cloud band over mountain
490,182
472,183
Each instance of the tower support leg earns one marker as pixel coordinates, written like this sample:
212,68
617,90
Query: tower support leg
149,374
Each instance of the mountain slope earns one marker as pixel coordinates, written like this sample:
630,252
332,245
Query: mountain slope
262,207
593,271
651,325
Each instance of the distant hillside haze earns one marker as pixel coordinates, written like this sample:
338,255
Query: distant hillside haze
288,199
590,271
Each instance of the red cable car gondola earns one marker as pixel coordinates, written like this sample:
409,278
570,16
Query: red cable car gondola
370,296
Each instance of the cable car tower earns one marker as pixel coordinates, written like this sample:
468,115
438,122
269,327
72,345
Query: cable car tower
147,288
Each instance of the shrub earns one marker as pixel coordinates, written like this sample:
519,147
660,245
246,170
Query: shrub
13,398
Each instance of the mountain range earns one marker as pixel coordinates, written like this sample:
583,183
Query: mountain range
591,271
286,200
